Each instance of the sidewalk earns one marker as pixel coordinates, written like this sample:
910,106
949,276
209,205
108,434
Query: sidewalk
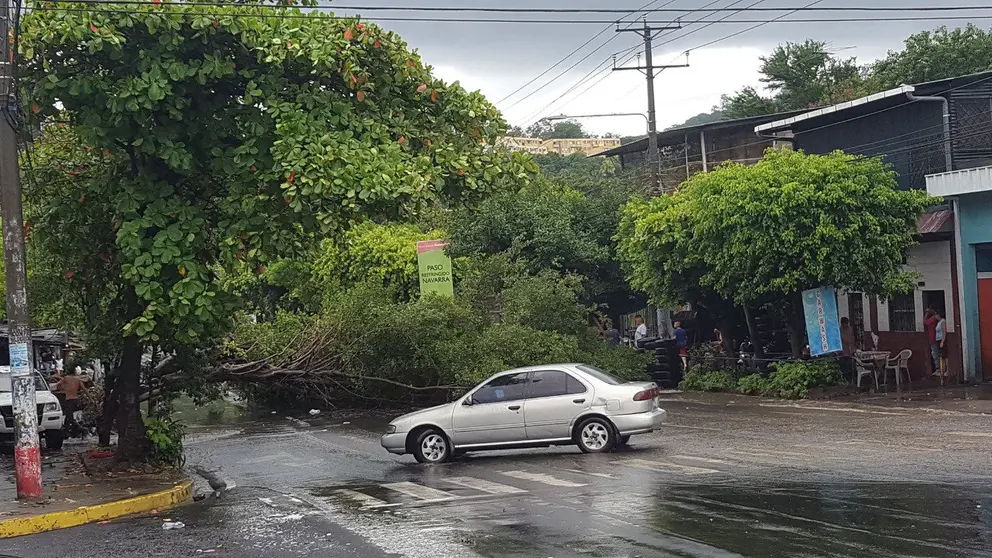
78,489
975,400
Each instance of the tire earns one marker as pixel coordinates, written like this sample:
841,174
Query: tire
54,439
595,435
432,448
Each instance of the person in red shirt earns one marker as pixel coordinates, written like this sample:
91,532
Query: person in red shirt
930,321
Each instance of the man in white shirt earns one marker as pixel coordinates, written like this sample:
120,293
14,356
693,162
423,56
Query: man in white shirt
642,330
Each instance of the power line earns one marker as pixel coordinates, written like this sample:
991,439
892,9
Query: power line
316,14
627,12
573,66
574,52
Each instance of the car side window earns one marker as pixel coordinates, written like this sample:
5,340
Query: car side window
552,383
511,387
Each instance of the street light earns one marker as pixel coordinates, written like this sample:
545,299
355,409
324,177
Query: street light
567,116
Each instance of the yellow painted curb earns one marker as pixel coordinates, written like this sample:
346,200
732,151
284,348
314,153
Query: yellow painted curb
42,522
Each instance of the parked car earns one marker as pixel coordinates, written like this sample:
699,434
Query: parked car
537,406
50,416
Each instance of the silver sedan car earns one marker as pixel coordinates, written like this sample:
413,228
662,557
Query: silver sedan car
537,406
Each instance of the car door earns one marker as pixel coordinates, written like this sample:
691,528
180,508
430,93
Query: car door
554,399
493,413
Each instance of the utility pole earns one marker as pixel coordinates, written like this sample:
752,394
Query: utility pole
648,70
27,454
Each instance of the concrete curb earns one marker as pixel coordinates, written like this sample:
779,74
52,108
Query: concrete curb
42,522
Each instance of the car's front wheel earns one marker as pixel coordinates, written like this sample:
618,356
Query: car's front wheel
596,435
54,439
432,447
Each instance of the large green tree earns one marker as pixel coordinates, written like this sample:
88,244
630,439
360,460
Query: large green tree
938,54
212,136
791,222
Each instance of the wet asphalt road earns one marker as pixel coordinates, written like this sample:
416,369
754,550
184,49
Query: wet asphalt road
725,478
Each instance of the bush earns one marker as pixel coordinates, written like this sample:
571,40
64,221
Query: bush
699,378
166,436
623,362
793,380
755,384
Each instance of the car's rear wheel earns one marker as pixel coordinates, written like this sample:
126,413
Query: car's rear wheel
54,439
596,435
432,447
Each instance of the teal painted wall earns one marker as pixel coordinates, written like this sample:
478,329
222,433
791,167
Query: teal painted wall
975,218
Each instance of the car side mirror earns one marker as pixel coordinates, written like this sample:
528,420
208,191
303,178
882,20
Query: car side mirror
468,401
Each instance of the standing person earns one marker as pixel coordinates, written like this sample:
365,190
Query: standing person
682,339
612,335
930,322
642,330
940,334
847,347
70,385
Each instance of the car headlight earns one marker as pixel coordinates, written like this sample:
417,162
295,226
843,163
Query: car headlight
51,407
391,429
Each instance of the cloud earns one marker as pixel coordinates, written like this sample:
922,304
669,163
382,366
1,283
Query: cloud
498,58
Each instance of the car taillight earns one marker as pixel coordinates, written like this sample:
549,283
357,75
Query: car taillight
646,395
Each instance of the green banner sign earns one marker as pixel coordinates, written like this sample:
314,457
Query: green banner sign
435,268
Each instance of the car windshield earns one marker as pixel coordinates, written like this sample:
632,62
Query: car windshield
39,383
599,374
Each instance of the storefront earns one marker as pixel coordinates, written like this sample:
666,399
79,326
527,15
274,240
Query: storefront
970,192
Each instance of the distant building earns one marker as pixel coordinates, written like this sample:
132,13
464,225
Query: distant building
566,146
534,146
586,146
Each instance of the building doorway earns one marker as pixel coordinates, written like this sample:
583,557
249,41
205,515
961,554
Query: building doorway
984,263
856,311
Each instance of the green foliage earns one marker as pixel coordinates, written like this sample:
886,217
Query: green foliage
546,301
755,384
793,380
746,103
369,251
938,54
364,332
791,222
218,151
558,129
700,378
166,436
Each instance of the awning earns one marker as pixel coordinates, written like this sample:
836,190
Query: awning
930,223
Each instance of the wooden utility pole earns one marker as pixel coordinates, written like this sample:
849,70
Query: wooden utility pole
648,69
27,454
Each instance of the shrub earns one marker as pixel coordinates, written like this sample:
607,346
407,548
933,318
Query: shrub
755,384
699,378
793,380
623,362
166,436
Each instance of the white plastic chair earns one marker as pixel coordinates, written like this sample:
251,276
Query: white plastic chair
865,368
898,365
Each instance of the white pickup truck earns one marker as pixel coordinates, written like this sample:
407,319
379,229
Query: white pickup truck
50,417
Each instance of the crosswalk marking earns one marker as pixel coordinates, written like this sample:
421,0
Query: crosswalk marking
972,434
590,473
541,478
484,485
703,459
668,467
419,491
364,499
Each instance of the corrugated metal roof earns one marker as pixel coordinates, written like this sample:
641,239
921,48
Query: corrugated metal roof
930,223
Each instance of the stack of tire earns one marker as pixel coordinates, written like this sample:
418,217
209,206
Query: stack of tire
666,370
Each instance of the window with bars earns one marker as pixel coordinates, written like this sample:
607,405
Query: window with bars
902,312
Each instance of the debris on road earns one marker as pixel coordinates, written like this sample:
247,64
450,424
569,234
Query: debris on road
314,412
170,525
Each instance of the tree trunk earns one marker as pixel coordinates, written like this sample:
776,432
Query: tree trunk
106,422
132,444
796,323
752,329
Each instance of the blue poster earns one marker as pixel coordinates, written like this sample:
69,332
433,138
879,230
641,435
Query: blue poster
822,321
19,364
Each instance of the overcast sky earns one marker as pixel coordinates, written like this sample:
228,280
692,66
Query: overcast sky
498,58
